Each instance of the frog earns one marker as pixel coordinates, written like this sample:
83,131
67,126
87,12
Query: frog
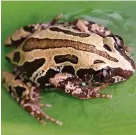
78,57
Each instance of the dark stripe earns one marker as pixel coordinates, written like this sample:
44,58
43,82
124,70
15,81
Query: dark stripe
68,69
68,57
16,57
16,42
35,43
98,61
85,74
20,90
107,47
30,67
69,32
29,28
43,80
75,28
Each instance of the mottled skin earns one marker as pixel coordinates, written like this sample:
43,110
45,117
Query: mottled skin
78,80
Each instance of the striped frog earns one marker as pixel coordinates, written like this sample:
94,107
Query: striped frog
78,57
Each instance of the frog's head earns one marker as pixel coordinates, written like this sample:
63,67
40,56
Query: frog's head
122,68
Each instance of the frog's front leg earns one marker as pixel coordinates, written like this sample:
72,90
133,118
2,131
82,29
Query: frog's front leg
27,99
73,86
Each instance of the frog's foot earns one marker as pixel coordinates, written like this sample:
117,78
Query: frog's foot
73,86
89,26
27,99
54,20
45,105
34,109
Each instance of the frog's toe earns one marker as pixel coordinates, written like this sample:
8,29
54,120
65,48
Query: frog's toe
35,110
98,95
45,105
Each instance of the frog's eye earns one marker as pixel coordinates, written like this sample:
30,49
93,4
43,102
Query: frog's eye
103,75
119,43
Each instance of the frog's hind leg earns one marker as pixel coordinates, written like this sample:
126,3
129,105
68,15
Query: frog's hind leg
52,22
89,26
73,86
55,19
27,99
20,35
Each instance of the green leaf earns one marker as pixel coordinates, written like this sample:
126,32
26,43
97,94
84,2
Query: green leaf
80,117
